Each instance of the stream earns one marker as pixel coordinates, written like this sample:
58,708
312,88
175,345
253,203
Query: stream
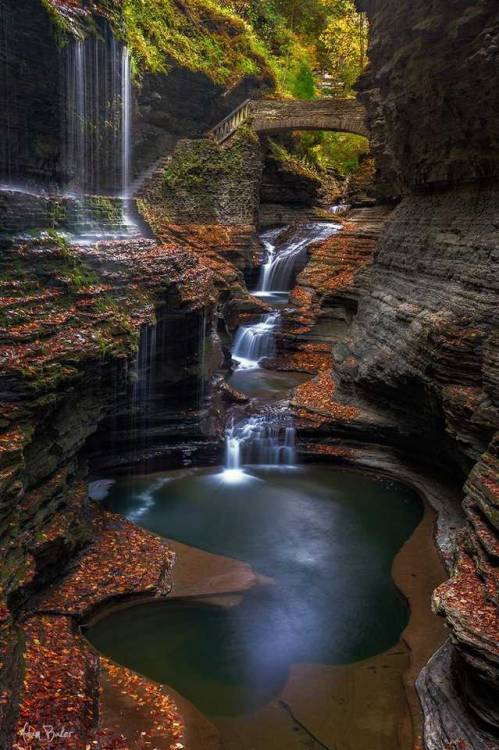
324,538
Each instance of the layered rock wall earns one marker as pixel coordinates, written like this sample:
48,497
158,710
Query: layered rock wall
423,345
29,93
69,333
431,91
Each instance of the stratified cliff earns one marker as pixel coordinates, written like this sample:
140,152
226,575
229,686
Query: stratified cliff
431,91
423,344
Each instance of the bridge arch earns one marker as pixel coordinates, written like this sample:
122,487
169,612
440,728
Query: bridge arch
342,115
270,116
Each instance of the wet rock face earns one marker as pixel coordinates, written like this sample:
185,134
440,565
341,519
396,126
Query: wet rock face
29,93
423,340
424,344
431,91
283,185
66,346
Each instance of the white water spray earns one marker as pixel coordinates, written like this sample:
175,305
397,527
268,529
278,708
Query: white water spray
264,440
253,343
98,131
278,271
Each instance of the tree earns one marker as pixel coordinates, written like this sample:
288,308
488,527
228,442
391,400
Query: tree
342,45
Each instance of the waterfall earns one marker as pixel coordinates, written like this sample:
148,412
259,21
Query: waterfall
280,266
254,342
142,406
97,125
264,440
75,157
126,124
203,338
268,439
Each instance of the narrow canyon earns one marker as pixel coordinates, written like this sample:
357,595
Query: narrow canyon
249,375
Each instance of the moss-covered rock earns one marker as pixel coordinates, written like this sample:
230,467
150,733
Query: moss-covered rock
205,183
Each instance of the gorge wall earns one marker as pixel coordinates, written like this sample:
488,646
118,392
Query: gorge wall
423,344
432,113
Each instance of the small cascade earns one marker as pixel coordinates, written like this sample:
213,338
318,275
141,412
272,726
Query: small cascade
278,271
263,440
268,439
269,243
203,338
253,343
142,406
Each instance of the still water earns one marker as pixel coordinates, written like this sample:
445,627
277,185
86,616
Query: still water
327,537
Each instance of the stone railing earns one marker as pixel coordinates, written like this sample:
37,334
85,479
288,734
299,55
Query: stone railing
281,115
230,124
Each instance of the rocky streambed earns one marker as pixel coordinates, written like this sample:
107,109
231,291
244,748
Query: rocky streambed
254,661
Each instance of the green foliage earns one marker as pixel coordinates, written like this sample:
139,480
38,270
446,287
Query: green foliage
200,35
289,43
297,162
325,150
299,81
320,36
342,46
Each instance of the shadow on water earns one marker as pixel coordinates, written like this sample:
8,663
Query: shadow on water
327,538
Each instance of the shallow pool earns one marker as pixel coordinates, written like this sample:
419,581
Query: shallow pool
327,538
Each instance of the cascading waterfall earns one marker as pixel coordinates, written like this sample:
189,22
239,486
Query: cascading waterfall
280,266
268,438
8,105
265,439
253,343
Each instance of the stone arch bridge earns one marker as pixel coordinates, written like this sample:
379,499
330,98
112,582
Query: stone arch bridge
270,116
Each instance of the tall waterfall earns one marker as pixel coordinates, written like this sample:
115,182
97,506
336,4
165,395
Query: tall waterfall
280,266
98,115
126,121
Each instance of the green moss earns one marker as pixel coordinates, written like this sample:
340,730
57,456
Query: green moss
66,26
71,269
61,242
198,166
105,209
60,24
200,35
58,213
